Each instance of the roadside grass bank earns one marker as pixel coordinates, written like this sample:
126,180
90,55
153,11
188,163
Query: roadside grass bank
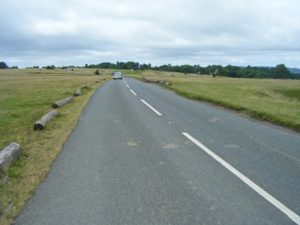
25,95
272,100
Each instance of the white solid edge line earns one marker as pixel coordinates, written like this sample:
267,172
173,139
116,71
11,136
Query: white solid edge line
153,109
292,215
132,92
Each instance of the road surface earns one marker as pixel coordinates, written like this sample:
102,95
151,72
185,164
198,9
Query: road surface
142,155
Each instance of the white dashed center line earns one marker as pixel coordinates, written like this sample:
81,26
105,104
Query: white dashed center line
133,92
126,84
151,107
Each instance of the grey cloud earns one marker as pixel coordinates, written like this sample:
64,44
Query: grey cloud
191,31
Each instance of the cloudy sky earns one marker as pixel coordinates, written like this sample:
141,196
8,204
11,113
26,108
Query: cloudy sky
75,32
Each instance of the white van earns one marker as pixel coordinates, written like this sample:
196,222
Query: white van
117,75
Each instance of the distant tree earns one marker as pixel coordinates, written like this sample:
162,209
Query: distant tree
145,66
280,71
52,67
3,65
127,65
105,65
214,74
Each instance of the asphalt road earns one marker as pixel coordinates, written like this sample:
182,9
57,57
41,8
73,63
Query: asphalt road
143,155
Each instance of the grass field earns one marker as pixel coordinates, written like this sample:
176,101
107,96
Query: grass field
25,95
276,101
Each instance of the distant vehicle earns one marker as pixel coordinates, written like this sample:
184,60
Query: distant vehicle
117,75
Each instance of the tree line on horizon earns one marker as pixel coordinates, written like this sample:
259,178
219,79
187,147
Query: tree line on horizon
278,72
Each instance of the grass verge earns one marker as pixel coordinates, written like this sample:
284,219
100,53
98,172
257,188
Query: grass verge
276,101
25,95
